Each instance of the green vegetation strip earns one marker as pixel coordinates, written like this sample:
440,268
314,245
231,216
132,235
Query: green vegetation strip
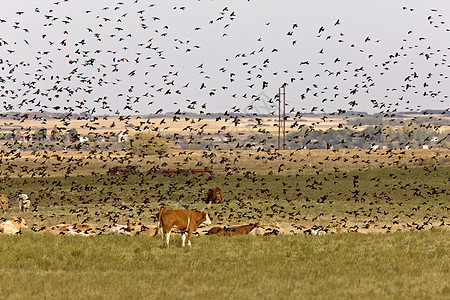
404,265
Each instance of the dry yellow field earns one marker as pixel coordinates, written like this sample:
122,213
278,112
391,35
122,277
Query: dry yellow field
166,125
183,125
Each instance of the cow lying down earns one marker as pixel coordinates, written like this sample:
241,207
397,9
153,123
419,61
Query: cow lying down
132,228
117,229
72,229
14,226
233,230
253,229
270,229
137,228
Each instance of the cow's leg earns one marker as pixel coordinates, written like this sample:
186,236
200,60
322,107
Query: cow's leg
168,237
189,238
183,239
162,232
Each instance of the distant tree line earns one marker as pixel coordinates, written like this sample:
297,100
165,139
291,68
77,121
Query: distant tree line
374,120
410,135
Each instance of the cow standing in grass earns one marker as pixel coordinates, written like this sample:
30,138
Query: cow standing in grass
214,196
185,220
4,202
24,203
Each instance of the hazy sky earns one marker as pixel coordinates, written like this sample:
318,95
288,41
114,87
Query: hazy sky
140,57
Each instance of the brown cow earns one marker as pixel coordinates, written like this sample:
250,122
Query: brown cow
214,196
214,230
234,230
185,220
4,202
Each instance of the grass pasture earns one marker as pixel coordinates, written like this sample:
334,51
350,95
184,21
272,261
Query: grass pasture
402,265
400,198
387,199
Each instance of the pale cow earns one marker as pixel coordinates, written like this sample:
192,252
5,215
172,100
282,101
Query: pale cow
4,202
185,220
271,229
137,228
24,203
71,229
341,229
14,226
117,229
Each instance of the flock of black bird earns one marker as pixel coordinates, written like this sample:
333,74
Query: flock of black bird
51,63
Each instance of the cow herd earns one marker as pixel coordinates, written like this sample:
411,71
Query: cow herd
183,221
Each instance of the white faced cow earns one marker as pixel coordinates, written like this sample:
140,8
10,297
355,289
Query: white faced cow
24,203
185,220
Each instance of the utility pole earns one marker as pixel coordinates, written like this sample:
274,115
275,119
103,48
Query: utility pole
281,118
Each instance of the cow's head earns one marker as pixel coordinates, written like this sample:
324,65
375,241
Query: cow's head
206,217
20,223
132,224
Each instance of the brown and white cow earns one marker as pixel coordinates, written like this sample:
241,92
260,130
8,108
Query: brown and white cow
13,226
185,220
214,196
4,202
24,203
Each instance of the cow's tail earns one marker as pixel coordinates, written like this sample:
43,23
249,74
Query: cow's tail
160,222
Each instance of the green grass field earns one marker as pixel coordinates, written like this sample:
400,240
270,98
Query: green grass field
380,199
407,265
401,199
